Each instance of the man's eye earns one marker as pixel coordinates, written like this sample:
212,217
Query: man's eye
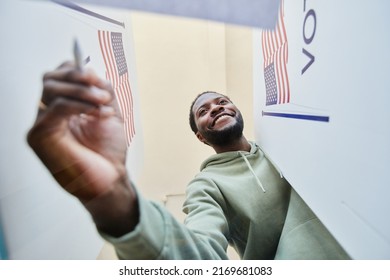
202,112
222,101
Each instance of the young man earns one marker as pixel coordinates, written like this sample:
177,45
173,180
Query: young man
238,197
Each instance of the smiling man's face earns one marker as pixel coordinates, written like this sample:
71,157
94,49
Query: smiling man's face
218,120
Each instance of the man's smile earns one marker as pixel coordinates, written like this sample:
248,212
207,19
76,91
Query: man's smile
221,118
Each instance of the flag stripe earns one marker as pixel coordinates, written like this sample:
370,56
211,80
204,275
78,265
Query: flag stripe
107,59
131,104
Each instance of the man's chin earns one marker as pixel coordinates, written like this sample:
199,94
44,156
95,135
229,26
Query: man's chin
223,137
224,127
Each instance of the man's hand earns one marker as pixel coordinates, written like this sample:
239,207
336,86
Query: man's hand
79,136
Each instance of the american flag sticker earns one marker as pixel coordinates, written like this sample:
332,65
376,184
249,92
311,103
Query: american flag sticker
275,54
111,45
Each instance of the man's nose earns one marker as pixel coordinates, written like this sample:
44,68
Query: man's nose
215,109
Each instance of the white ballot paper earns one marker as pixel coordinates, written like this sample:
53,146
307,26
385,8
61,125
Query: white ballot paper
255,13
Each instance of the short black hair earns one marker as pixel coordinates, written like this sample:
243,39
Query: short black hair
192,116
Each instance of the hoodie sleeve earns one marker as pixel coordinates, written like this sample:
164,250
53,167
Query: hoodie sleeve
160,236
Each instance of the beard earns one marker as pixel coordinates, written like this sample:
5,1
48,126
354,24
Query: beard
227,135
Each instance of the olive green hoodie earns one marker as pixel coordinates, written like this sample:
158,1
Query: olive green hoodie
238,198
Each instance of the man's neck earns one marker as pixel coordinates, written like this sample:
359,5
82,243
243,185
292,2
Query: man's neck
240,145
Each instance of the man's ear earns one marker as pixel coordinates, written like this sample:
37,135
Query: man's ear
201,138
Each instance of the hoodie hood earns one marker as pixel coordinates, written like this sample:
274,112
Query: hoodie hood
222,158
228,158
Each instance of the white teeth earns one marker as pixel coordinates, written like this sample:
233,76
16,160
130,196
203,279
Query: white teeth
222,117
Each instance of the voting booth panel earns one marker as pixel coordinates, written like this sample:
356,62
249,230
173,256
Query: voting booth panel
322,113
39,220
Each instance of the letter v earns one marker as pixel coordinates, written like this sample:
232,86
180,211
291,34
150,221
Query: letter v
311,61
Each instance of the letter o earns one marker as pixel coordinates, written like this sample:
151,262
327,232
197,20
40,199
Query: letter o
312,13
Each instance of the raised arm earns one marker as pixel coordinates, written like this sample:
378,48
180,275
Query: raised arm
78,135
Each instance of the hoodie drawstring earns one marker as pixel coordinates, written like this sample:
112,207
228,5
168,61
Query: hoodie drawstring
253,172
